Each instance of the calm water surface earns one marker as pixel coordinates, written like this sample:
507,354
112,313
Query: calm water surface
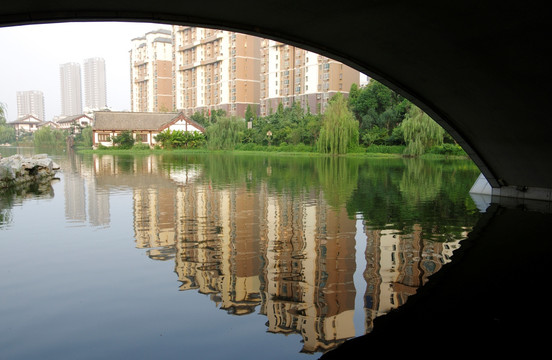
220,256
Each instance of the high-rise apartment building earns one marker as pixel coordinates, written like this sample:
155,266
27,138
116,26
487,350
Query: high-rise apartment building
152,72
71,92
95,90
290,74
215,69
30,103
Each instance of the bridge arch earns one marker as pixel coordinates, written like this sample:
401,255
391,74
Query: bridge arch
480,69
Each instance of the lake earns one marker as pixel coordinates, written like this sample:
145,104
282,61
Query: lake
220,256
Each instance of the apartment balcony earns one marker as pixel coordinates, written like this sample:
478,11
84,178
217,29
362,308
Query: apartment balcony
187,66
189,46
186,47
140,79
211,38
211,60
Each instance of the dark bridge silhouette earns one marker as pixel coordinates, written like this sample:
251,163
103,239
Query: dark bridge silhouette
482,69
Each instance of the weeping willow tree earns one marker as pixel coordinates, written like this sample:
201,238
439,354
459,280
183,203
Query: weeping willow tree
420,132
7,133
48,137
2,114
339,129
225,133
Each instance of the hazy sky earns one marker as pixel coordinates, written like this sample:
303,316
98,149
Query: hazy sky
30,56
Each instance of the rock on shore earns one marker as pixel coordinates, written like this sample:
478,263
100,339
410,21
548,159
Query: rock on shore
18,169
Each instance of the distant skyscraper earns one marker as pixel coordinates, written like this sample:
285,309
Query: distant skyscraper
30,103
71,93
94,84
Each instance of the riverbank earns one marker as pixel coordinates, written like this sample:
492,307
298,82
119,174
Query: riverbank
142,152
114,151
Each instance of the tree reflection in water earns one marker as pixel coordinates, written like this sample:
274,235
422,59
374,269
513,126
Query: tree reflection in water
280,235
277,235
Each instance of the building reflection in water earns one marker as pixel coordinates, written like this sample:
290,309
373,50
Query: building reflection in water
81,189
288,256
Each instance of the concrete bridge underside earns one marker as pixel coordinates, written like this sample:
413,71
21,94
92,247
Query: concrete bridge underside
482,69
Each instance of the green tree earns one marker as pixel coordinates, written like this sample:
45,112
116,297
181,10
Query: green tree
225,133
200,118
250,113
290,125
250,117
375,105
124,140
180,139
313,123
46,136
396,137
7,133
420,132
84,138
3,111
216,115
339,130
374,136
374,96
354,92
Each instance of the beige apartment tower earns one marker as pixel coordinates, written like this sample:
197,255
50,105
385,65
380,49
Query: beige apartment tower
151,72
71,91
215,69
30,103
202,70
290,74
95,87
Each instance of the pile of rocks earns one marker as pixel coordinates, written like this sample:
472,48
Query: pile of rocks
17,169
